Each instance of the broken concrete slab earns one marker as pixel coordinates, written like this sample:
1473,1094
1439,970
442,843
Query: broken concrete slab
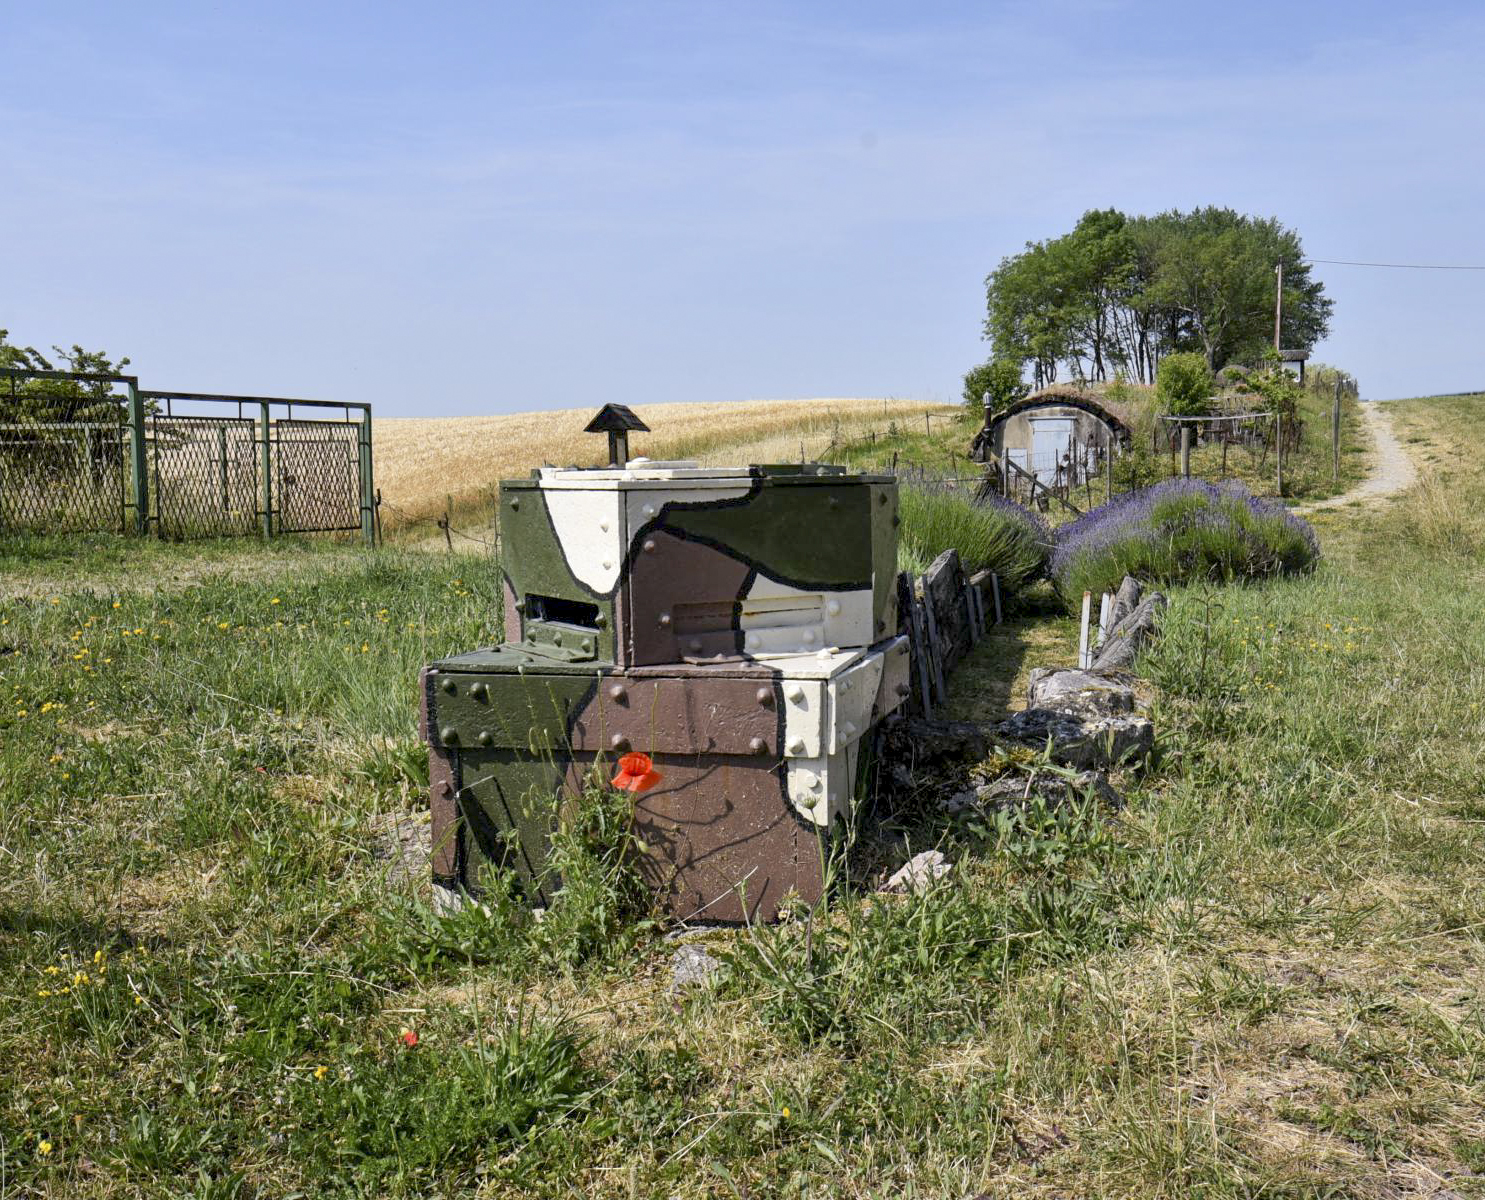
1080,693
1093,742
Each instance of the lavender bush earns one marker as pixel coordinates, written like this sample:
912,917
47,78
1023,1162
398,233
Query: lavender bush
1180,531
989,533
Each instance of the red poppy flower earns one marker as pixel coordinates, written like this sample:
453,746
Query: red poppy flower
636,773
409,1038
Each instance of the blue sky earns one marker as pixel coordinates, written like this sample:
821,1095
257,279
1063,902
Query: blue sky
466,208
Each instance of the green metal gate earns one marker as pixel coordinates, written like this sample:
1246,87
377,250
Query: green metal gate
95,453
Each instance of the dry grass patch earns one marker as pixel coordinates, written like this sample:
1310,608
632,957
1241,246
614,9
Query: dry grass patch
422,464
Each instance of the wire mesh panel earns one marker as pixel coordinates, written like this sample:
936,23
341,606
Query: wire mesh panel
63,459
203,475
317,475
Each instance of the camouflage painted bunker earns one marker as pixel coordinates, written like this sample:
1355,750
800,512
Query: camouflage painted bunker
738,625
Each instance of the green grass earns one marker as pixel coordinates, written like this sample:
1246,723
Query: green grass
1259,978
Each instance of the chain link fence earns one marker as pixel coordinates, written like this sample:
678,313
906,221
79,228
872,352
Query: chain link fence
94,453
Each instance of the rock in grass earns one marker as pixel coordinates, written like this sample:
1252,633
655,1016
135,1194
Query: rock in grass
1092,742
1129,636
919,872
692,966
1126,599
1079,693
1053,788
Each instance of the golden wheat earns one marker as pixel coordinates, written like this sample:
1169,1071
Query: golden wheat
425,464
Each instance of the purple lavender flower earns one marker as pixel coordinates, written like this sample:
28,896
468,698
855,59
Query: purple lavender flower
1181,529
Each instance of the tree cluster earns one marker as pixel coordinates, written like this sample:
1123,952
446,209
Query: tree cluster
1117,294
58,400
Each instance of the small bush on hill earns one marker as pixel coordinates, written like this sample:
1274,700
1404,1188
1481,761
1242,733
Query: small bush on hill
1183,385
990,533
997,383
1180,531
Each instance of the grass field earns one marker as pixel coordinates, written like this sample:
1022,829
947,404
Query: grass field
219,976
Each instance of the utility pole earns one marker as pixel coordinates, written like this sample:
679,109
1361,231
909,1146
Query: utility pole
1278,303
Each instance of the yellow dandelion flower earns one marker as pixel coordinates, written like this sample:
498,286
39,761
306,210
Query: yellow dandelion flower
321,1072
224,624
275,600
786,1110
43,1147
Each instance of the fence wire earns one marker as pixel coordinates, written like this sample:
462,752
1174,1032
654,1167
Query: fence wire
63,458
204,475
92,453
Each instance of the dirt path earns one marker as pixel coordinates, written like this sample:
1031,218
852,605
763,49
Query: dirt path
1391,469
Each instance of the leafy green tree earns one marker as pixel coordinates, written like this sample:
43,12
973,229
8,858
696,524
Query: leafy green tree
1118,293
59,400
992,386
1183,385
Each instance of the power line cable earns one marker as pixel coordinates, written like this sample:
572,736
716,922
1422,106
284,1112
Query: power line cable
1344,262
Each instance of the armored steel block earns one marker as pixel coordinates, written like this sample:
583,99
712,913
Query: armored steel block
668,562
758,763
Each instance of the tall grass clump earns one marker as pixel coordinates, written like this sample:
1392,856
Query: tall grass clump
1181,531
990,533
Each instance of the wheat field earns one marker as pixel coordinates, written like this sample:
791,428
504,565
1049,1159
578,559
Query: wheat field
425,464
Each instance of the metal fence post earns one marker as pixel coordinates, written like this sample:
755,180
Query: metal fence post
267,469
222,464
138,467
368,497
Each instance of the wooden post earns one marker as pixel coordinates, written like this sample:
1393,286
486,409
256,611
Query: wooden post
1105,603
1225,440
928,424
1083,659
1278,303
1335,435
1185,450
995,594
1109,455
1279,452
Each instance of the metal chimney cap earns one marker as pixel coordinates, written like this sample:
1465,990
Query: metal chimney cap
616,418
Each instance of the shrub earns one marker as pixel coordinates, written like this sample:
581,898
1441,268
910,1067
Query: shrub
990,533
1183,385
1180,531
1001,379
